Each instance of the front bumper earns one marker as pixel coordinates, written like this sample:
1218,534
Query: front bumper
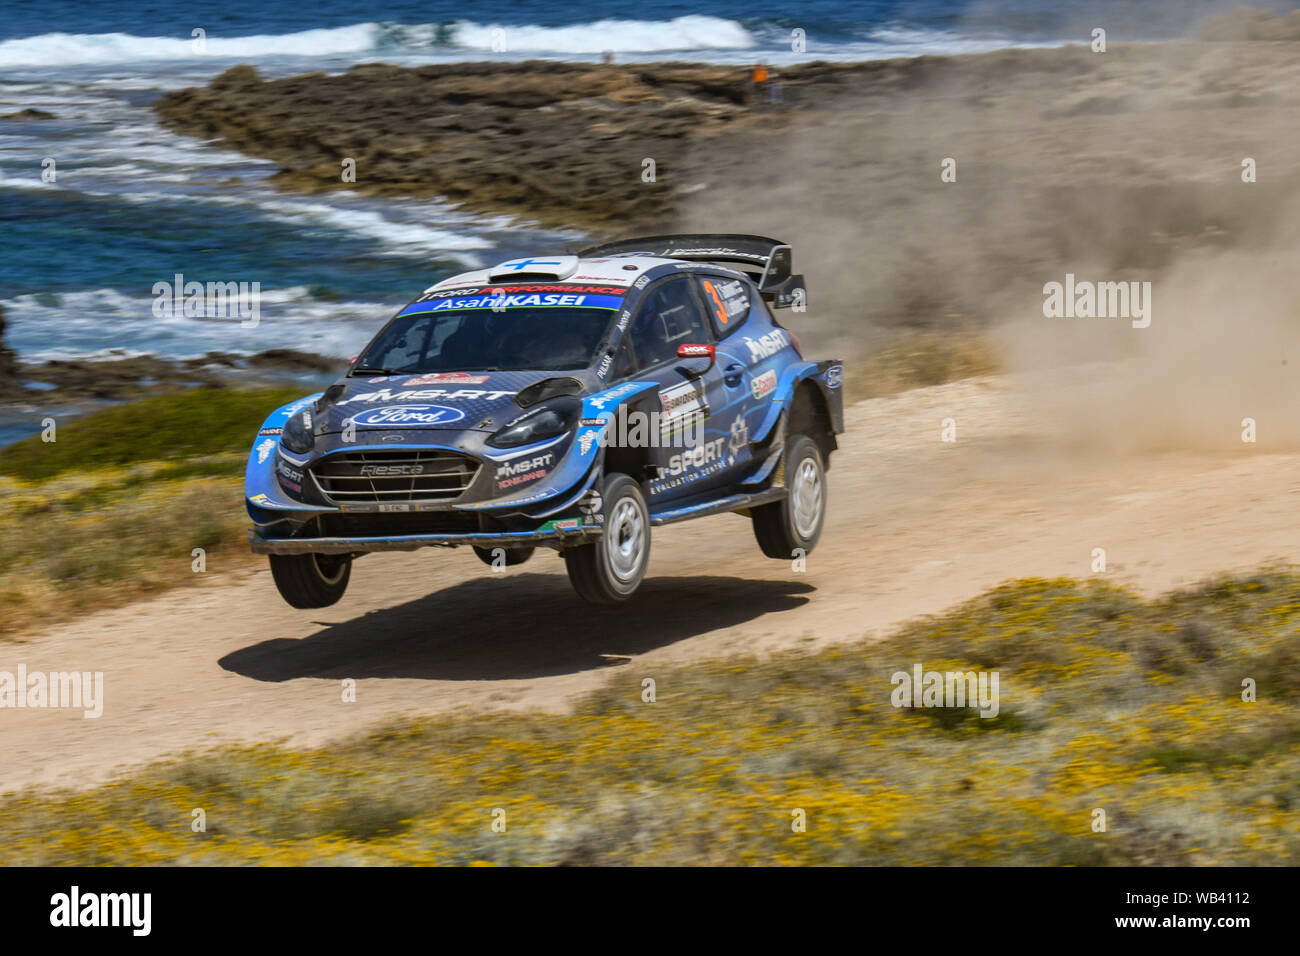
553,537
541,514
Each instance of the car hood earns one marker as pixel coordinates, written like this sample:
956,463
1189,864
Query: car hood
454,401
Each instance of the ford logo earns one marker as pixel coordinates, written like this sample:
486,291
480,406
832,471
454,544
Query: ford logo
410,416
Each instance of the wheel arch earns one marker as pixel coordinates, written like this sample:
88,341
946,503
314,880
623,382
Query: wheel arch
810,414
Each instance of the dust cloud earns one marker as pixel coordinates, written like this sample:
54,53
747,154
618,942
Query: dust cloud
1123,166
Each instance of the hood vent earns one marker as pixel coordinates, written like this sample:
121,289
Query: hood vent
548,388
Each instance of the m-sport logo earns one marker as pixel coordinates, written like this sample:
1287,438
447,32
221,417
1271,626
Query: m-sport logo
409,415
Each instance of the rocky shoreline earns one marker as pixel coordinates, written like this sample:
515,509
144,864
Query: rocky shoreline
561,143
25,386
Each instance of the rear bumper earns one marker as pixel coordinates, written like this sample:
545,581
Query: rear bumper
412,542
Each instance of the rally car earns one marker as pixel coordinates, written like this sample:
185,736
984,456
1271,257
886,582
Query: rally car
563,401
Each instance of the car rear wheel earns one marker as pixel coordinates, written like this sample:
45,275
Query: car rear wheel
510,556
610,569
790,526
311,580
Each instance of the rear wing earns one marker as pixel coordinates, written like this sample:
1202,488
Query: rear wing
770,261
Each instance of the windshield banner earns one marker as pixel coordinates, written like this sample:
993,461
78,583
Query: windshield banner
550,300
519,296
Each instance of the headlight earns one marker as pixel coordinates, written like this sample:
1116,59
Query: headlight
297,435
536,426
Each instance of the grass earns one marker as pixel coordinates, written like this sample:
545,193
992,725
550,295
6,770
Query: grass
1107,702
920,359
183,424
114,507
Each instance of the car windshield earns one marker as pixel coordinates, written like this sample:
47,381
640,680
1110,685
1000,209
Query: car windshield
457,339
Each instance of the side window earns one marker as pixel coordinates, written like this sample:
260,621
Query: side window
668,316
624,364
727,301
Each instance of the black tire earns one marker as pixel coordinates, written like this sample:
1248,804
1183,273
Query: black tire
610,569
311,580
513,556
794,523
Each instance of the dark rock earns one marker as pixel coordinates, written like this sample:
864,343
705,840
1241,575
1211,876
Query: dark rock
120,379
10,380
29,114
237,77
290,360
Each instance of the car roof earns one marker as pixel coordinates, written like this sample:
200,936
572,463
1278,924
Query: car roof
609,270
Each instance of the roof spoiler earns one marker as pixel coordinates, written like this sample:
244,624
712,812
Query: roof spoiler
777,284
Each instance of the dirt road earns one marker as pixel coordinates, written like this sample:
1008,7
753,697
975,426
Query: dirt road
915,525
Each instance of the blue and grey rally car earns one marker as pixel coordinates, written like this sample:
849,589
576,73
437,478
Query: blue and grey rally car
566,401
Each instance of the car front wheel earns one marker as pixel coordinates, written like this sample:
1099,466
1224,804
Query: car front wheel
611,568
311,580
790,528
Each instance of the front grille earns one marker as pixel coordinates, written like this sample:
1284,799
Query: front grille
394,476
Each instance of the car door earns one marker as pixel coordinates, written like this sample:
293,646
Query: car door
686,448
730,304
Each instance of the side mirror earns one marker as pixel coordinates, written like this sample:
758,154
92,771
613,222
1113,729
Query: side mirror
699,351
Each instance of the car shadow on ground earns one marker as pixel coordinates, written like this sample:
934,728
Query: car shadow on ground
519,627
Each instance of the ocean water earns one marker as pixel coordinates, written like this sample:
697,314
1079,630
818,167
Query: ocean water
134,204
